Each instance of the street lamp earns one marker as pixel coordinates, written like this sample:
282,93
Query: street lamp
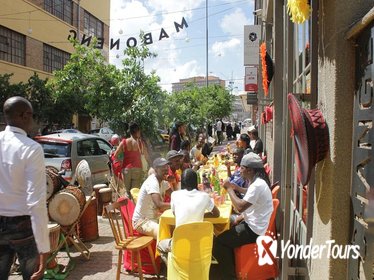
206,41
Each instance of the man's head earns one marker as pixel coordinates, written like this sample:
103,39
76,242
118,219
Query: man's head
249,164
200,141
160,165
237,155
175,159
18,112
189,179
252,132
186,145
135,130
244,141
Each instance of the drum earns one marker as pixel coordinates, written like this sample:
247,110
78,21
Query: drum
105,196
88,228
53,183
54,237
66,205
97,188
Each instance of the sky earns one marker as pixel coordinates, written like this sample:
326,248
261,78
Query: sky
183,54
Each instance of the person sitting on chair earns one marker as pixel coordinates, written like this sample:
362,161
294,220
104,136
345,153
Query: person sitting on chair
256,207
189,205
150,202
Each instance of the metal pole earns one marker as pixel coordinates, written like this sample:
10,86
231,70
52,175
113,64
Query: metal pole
206,41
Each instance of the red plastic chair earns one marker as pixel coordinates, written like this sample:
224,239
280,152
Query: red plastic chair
127,212
246,261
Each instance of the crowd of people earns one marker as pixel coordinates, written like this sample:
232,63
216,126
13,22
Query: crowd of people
170,182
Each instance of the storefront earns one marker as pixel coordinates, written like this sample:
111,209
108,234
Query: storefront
324,65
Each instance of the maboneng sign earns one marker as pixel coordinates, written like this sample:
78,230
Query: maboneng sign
252,38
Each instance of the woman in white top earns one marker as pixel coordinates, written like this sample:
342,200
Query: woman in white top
256,207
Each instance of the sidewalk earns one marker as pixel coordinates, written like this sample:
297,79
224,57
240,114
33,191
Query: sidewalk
102,264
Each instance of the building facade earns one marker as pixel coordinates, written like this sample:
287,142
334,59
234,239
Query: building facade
199,81
326,62
34,36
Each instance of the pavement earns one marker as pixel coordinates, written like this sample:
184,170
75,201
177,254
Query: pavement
102,264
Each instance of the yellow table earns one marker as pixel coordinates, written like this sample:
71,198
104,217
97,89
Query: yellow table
221,223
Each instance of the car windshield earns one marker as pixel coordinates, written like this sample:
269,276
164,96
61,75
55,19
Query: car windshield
56,149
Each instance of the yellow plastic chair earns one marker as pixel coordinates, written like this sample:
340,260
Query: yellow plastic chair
191,252
135,193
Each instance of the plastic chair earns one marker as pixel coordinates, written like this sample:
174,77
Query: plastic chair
129,263
274,192
191,251
135,193
125,242
246,262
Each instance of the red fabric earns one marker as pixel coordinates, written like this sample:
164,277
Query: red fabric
174,174
116,166
263,118
144,254
269,113
131,159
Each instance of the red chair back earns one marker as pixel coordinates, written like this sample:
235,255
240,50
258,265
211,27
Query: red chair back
127,212
274,192
246,262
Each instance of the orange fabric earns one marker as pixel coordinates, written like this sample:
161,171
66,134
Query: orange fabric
265,79
246,258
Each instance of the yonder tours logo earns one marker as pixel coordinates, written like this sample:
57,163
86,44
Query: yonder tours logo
267,247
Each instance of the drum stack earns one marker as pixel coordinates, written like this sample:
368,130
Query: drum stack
88,228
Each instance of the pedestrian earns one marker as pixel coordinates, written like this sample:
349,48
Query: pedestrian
219,131
256,143
177,135
132,149
23,211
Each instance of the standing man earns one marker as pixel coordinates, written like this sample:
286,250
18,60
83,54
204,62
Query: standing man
219,131
23,212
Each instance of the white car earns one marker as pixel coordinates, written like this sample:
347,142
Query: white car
65,150
105,132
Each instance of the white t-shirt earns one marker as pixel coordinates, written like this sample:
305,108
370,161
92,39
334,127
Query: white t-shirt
195,153
252,143
219,126
190,206
257,216
145,207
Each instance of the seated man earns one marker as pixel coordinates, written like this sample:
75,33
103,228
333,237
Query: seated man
235,177
195,153
150,202
189,205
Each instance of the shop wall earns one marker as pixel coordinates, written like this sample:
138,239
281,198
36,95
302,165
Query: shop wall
336,80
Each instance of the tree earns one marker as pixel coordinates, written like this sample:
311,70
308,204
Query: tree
8,89
197,106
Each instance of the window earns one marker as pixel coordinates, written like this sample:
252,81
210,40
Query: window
92,26
62,9
12,46
54,59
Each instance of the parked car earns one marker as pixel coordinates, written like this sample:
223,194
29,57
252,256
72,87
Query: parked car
67,130
105,132
164,135
65,150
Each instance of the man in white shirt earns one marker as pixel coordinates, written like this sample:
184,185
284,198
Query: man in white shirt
23,212
219,132
189,205
150,202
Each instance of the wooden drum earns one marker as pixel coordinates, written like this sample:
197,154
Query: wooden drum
66,205
53,183
97,188
54,237
105,196
88,228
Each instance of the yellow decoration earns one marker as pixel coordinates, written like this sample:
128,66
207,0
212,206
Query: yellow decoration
299,10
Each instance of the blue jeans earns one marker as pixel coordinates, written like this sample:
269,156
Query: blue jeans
223,249
16,237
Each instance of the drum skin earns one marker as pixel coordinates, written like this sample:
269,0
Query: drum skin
66,205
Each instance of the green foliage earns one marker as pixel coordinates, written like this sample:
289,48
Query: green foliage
7,89
197,106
